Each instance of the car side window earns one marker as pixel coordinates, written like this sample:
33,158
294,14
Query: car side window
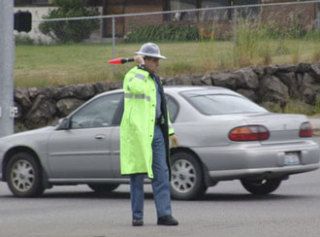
98,113
119,112
173,108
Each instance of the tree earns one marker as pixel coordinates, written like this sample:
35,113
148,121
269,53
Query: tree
70,30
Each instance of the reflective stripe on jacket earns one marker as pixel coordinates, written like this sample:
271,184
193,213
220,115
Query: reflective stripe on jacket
138,121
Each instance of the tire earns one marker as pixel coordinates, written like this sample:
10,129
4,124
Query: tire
261,186
24,175
187,181
103,188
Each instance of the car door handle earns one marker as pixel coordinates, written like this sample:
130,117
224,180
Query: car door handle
100,136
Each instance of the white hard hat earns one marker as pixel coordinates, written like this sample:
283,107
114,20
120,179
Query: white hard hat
150,50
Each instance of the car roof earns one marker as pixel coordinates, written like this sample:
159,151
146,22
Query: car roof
178,89
198,89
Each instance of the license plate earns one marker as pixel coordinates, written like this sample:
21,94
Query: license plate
291,159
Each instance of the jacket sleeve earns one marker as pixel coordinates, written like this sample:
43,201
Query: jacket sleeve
135,83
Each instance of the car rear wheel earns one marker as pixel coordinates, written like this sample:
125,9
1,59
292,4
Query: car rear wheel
186,177
24,175
103,188
261,186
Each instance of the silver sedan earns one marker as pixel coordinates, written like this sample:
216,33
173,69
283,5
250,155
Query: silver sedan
222,136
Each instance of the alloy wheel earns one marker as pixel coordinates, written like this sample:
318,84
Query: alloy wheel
183,176
22,175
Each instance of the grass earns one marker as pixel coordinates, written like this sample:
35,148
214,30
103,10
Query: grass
53,65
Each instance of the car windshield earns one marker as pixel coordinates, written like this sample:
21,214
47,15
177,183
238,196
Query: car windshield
220,104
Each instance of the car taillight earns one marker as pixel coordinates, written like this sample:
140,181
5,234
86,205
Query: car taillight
249,133
305,130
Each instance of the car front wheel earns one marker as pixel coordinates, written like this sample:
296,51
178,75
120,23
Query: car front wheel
261,186
23,175
186,177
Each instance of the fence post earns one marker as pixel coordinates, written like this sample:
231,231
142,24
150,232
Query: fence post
234,27
113,37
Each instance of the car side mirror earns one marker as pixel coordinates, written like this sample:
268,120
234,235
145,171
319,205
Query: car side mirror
64,124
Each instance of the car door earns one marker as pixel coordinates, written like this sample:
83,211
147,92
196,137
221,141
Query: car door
83,151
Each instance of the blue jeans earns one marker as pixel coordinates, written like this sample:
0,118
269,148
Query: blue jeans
160,182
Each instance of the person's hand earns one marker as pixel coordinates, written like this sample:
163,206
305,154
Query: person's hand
174,141
139,59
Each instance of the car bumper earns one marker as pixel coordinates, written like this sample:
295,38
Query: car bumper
262,172
242,160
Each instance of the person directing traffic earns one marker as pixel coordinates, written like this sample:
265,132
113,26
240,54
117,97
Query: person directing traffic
144,135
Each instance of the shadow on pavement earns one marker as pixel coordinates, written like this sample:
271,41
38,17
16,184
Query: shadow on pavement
217,197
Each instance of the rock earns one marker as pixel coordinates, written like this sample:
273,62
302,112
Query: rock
290,80
84,91
287,68
299,79
47,92
183,80
307,88
303,67
315,71
272,89
168,81
228,80
270,70
21,96
250,94
67,105
309,95
100,87
41,112
259,71
33,92
248,79
81,91
307,79
201,80
115,85
205,80
64,92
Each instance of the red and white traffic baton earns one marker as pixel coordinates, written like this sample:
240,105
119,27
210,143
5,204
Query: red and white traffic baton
120,60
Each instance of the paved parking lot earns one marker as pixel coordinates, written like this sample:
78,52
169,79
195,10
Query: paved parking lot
226,210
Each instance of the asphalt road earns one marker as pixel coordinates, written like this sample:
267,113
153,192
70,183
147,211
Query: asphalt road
226,210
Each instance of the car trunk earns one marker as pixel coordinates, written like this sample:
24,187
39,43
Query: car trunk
282,127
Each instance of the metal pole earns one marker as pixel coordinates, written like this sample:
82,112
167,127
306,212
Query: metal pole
113,37
235,25
6,67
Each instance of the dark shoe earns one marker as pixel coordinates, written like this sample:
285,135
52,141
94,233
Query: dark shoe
167,220
137,222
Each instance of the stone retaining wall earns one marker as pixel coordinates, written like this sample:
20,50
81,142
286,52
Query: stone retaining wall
272,84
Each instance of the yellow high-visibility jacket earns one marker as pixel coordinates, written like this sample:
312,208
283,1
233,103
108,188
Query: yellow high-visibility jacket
138,121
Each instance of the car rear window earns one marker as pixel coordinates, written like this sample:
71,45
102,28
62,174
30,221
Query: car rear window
219,104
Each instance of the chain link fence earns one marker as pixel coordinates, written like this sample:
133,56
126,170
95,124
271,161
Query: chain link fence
196,40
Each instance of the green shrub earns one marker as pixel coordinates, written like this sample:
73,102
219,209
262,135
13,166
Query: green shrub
23,40
249,44
313,35
293,29
316,109
168,32
70,31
